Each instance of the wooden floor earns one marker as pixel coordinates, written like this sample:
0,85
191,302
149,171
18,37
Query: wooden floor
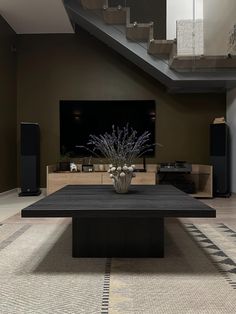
225,211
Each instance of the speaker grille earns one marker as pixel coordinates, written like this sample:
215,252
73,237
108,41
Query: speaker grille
218,139
29,139
219,150
30,163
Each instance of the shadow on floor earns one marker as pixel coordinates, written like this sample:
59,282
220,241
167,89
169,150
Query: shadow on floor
182,257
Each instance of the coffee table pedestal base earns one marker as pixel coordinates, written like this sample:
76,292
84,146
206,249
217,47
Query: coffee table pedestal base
118,237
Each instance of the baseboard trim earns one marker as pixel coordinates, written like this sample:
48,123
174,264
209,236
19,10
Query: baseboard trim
8,192
43,191
17,191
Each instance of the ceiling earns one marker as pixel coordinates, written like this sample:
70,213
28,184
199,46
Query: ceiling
36,16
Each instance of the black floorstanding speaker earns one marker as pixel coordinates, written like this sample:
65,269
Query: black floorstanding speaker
30,159
220,159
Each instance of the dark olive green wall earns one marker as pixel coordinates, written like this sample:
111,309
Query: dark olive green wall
66,67
7,108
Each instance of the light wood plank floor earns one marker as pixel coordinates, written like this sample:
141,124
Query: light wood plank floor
225,211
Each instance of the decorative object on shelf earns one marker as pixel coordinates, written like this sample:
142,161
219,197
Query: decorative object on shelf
73,167
87,168
101,167
219,120
87,165
121,147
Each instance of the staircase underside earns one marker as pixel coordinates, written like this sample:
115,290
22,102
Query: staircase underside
212,80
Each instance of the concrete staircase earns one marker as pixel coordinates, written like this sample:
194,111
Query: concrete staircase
137,31
159,58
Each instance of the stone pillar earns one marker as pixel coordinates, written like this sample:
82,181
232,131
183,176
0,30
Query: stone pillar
231,120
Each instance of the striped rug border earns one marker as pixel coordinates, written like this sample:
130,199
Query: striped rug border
5,243
106,287
190,228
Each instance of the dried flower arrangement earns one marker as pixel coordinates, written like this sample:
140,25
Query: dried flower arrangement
121,147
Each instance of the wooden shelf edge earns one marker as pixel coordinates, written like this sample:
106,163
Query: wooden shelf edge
200,173
201,195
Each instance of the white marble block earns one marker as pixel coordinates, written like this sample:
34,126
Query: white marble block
190,39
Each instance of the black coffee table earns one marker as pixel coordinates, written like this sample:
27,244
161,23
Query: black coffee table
107,224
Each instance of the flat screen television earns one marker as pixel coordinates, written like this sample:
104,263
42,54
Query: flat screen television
79,119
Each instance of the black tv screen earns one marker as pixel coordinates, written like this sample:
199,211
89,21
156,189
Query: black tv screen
79,119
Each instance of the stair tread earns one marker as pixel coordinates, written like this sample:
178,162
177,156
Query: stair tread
156,66
163,41
139,25
115,9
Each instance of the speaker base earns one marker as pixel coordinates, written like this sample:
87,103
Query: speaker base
36,193
223,195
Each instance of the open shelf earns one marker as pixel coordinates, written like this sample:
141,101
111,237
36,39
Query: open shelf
202,176
58,179
201,194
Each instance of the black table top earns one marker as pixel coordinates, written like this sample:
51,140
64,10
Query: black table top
103,201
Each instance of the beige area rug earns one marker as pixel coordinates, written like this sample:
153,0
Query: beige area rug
188,280
38,274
